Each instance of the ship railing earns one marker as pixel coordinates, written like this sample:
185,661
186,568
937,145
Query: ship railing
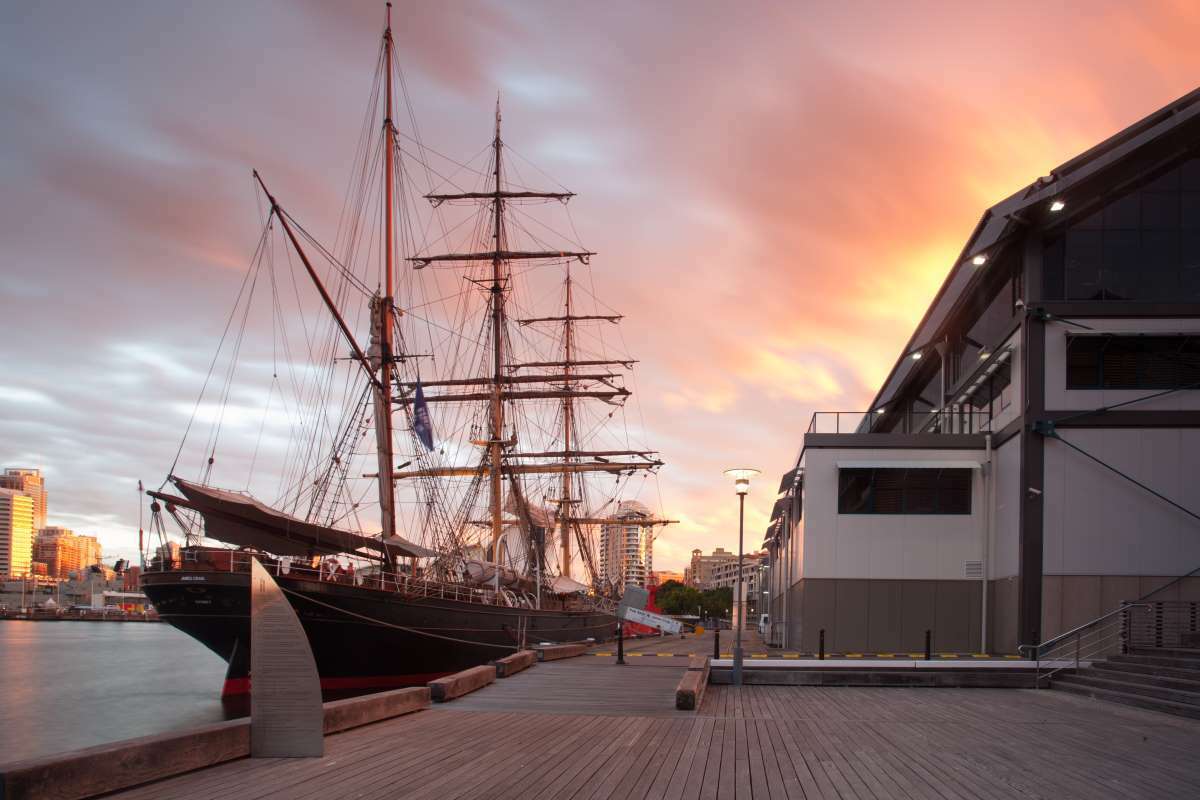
233,561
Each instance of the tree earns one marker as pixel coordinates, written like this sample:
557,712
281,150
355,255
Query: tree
678,599
717,602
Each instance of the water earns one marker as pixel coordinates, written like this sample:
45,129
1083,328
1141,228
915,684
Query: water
66,685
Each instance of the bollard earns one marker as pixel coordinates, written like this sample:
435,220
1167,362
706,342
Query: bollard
821,652
928,644
716,642
620,642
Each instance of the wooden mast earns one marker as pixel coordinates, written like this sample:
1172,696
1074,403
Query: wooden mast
386,306
495,445
564,508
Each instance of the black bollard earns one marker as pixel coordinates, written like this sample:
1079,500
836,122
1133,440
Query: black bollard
620,643
928,644
716,642
821,652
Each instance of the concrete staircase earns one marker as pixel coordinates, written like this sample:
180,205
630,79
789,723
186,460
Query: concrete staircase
1159,679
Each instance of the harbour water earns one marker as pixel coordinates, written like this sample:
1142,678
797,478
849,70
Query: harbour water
66,685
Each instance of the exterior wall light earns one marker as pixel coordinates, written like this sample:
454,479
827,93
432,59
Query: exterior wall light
916,356
979,260
1057,205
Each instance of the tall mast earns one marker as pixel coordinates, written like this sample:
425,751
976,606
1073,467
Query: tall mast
497,297
564,509
385,307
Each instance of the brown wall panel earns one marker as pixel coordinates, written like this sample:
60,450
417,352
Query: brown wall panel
883,632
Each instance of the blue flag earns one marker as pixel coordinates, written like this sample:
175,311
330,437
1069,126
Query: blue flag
421,423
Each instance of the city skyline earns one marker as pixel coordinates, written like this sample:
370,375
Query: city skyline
130,280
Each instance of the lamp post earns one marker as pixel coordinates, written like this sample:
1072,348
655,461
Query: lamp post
741,484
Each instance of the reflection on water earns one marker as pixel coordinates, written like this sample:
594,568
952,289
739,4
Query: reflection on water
66,685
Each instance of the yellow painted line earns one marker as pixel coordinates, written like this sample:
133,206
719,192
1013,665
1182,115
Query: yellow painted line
980,655
916,655
726,655
885,655
758,655
791,655
1013,657
603,654
665,655
947,655
854,655
634,655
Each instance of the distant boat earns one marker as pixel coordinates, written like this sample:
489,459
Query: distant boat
477,574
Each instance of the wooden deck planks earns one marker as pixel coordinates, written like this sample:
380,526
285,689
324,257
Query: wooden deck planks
583,741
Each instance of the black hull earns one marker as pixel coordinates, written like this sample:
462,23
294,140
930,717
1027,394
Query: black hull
362,638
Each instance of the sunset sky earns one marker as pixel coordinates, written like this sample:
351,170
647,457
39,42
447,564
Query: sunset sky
775,191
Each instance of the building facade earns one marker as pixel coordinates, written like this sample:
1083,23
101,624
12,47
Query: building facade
700,572
30,482
1027,465
16,533
627,546
64,552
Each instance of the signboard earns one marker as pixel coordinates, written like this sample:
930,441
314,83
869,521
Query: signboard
634,597
649,619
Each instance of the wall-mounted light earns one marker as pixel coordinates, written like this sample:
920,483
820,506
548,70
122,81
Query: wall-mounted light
979,260
1057,205
984,356
880,410
916,356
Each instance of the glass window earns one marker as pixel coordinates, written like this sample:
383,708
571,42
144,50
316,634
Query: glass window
917,490
1133,362
1140,246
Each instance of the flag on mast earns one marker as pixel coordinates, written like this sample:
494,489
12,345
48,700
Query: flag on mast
422,425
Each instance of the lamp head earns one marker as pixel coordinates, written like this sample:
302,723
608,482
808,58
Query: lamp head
741,478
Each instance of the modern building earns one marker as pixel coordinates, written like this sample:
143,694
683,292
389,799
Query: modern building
30,482
16,534
64,552
1029,462
699,573
627,546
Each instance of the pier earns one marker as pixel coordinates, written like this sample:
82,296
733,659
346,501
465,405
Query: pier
585,727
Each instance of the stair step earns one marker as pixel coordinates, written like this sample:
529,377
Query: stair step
1125,698
1158,661
1134,668
1099,670
1157,692
1169,652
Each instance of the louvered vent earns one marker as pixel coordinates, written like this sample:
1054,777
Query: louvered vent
973,569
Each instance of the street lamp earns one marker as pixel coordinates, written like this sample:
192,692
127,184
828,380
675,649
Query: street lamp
741,484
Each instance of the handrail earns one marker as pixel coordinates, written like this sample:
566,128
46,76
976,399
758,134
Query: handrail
1104,635
1037,648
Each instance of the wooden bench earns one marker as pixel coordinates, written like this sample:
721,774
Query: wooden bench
553,652
461,683
689,694
511,665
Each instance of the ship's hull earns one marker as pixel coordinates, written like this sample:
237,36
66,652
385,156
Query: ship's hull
362,638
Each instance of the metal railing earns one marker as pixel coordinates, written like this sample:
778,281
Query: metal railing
1164,623
951,420
232,561
1102,637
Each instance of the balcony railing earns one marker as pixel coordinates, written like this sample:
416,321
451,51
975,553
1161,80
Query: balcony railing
950,420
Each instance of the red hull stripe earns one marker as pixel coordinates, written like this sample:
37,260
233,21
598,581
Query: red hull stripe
237,686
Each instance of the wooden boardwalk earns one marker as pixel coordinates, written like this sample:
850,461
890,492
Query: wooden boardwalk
581,739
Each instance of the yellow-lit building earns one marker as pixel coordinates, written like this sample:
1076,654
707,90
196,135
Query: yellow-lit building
64,552
30,482
16,533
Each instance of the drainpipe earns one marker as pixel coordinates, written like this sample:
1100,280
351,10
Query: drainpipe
989,497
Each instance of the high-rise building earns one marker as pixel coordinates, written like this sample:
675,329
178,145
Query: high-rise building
626,546
30,482
700,573
64,552
16,533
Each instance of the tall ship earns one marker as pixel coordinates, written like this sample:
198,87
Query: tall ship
443,367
